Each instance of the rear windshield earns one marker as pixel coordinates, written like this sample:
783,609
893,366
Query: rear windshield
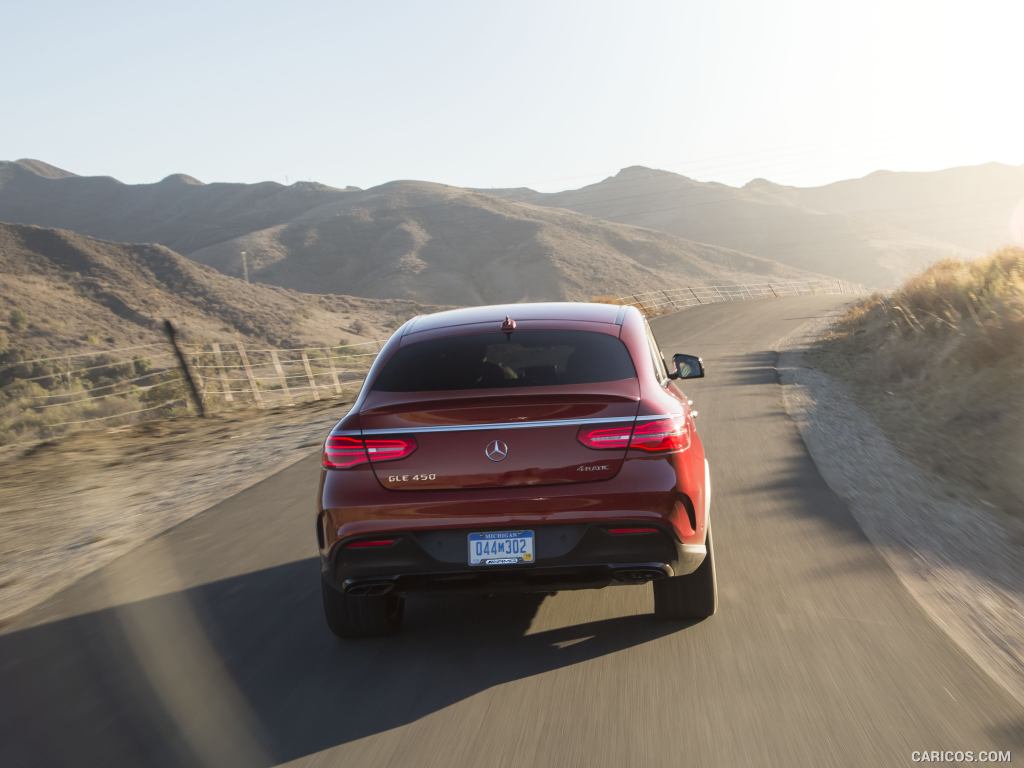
497,360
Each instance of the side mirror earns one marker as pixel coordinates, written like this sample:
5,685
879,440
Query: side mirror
687,367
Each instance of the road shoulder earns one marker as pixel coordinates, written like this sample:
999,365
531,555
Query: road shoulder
71,506
962,564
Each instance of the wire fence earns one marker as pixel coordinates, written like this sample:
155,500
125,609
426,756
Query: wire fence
229,374
674,299
49,396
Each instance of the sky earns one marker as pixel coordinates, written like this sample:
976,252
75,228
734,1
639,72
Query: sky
547,94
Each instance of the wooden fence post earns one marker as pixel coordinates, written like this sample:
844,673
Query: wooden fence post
186,372
253,386
225,382
200,382
280,374
334,373
670,299
309,375
696,296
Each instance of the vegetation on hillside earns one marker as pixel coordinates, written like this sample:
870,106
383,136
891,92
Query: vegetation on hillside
82,343
940,363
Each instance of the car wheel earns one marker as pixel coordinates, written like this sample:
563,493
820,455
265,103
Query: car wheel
694,596
361,616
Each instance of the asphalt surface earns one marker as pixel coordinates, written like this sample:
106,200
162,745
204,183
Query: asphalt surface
207,645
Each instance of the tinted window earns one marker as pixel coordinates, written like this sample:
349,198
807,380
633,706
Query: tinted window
498,360
660,371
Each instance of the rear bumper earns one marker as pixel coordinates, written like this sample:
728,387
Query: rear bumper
665,491
567,557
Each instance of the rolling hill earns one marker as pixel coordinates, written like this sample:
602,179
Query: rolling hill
875,230
640,229
978,207
63,290
406,239
443,244
180,212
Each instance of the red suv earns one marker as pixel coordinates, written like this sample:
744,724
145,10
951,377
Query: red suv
528,447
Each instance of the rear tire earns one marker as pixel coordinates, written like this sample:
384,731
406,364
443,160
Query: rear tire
694,596
359,616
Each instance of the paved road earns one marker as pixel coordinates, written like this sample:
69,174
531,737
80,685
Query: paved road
206,646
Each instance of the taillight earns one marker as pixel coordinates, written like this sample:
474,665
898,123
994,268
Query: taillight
670,435
342,452
662,436
605,437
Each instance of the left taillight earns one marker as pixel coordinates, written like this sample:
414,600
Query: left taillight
344,452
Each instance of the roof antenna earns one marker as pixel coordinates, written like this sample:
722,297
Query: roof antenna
508,325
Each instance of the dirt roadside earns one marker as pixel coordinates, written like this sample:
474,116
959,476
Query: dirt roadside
962,561
70,506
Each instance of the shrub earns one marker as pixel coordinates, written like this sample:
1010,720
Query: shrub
18,320
141,366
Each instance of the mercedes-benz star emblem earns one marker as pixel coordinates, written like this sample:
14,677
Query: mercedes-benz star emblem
496,450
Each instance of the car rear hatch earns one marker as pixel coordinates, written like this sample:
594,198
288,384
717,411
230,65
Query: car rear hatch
499,442
505,432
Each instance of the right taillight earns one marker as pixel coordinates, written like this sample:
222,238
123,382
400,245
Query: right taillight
662,436
670,435
605,438
343,452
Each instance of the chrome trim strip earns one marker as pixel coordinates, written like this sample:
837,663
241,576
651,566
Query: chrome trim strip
503,425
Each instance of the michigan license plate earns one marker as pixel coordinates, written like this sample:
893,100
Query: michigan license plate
501,548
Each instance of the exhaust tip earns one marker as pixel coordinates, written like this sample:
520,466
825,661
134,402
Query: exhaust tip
371,589
638,575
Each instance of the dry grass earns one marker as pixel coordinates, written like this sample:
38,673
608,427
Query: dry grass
71,299
940,364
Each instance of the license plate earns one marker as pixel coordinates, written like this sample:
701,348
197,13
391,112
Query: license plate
501,548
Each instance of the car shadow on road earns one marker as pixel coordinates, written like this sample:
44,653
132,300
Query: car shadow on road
244,671
751,367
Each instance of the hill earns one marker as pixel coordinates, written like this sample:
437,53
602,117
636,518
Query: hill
445,244
876,230
406,239
63,291
973,206
641,228
180,212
